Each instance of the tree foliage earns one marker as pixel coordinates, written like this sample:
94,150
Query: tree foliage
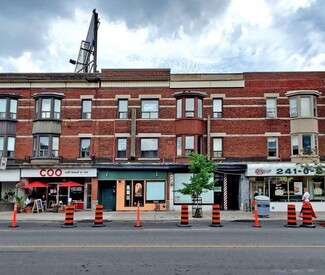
202,178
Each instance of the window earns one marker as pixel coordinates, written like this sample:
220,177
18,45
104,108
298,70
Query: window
271,107
217,147
85,147
47,107
295,145
46,146
305,107
179,146
272,147
217,108
1,146
8,108
155,191
122,108
149,108
293,107
121,147
179,108
199,108
86,108
306,144
149,147
11,147
189,144
189,107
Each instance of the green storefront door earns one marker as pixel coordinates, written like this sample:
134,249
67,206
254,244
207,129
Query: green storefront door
109,198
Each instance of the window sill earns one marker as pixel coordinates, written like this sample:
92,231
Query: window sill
84,159
221,158
148,158
273,158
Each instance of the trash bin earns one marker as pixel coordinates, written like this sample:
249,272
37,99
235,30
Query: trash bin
263,206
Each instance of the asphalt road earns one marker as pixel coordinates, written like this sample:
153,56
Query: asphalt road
161,248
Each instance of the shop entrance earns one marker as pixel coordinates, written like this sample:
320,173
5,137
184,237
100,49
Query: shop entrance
108,195
233,192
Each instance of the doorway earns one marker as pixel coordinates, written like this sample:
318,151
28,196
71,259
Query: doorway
108,195
233,192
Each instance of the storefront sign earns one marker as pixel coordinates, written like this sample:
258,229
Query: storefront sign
278,170
58,173
10,175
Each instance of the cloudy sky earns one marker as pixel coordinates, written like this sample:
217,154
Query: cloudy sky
183,35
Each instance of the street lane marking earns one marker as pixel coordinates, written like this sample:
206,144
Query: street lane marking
135,246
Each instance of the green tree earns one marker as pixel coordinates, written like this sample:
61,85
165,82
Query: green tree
201,180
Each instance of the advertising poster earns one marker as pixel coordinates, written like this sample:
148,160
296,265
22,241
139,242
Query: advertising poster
297,187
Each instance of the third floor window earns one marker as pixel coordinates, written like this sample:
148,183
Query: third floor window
217,108
122,108
47,108
149,108
86,109
8,108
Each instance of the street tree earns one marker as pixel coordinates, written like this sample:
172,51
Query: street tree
201,180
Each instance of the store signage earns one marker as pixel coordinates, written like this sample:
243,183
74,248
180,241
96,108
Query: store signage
58,173
278,170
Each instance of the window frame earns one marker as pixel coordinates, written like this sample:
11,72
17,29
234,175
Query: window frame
272,151
121,112
84,152
4,147
151,114
86,108
217,143
271,107
52,150
217,106
8,108
51,110
154,152
121,153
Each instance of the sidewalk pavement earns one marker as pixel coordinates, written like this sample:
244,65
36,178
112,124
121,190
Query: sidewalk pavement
88,215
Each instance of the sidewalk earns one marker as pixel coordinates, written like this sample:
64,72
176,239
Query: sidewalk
88,215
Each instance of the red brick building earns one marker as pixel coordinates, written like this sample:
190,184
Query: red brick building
124,135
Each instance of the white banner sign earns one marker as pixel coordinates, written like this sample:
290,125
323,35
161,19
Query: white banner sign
58,173
278,170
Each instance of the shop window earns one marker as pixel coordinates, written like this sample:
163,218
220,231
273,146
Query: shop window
217,147
149,147
8,108
149,108
121,148
155,191
272,147
271,107
217,108
122,108
86,109
85,148
317,187
47,107
138,192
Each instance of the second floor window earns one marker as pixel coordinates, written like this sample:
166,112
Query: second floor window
189,144
304,144
149,147
271,108
293,107
217,108
272,147
121,148
7,146
122,108
46,146
149,108
86,109
85,148
217,147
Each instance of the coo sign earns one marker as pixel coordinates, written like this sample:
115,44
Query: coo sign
50,172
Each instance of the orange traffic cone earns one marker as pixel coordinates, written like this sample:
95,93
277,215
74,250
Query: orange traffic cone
98,217
307,217
137,223
291,216
216,216
256,215
184,217
14,217
69,211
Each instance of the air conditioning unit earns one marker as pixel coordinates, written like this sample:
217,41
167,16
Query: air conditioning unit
189,114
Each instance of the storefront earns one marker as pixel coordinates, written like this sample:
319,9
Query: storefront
8,180
284,183
55,177
123,190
